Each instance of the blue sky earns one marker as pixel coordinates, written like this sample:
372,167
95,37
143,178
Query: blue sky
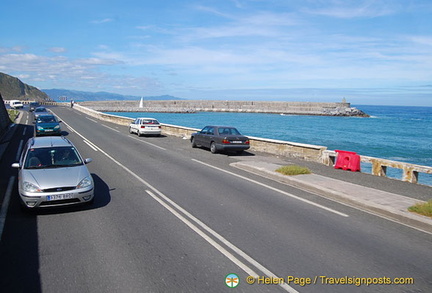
370,52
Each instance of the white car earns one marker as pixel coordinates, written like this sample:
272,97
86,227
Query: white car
15,104
145,126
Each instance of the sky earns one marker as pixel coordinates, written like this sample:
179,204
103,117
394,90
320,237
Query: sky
370,52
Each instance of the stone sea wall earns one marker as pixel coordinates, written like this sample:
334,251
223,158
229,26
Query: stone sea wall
192,106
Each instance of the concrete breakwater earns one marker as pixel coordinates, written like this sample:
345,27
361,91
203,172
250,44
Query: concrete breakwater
191,106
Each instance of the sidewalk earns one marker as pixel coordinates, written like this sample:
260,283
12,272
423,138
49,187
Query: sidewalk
386,204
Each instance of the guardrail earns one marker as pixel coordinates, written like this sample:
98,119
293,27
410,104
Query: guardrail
320,154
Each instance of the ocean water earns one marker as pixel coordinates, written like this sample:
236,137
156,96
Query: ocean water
397,133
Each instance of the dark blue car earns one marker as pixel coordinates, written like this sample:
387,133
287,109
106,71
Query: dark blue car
47,125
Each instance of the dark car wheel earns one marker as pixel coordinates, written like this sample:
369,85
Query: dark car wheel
194,145
213,148
130,130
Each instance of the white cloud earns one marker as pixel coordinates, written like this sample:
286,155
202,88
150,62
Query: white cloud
101,21
354,8
57,50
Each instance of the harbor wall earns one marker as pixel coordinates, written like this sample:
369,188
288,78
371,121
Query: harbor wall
190,106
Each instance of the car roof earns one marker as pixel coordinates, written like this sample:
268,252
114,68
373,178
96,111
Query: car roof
41,108
49,141
146,118
219,126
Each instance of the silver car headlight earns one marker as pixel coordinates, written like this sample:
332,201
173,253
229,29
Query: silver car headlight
30,187
86,182
57,127
39,128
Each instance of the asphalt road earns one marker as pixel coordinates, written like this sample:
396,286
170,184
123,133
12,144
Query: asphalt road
169,218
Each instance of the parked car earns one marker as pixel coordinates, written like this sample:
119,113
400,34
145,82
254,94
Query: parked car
220,138
33,106
47,124
15,104
145,126
40,111
53,173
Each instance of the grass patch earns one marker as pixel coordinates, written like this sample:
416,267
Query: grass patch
293,170
424,209
13,114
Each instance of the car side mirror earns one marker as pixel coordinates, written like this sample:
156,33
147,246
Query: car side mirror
15,165
88,160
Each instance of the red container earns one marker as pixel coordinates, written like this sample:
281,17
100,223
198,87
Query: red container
347,161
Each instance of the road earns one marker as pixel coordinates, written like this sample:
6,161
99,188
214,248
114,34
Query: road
169,218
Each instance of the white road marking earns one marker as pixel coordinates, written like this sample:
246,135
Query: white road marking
93,120
90,144
274,189
5,204
19,151
109,127
146,142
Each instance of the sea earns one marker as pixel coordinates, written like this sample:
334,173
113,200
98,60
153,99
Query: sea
399,133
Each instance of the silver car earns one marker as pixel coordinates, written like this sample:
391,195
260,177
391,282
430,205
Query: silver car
40,111
53,173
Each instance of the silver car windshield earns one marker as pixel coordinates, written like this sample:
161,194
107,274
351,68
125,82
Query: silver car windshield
52,157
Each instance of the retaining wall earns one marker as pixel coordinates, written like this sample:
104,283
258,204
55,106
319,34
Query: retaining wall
4,117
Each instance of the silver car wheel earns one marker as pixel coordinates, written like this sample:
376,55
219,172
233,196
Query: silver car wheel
213,148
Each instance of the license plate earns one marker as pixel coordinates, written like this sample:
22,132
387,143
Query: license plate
59,196
236,141
48,130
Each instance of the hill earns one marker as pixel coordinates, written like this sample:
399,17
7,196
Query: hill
63,94
11,88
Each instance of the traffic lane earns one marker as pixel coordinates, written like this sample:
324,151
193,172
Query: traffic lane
167,167
19,262
130,243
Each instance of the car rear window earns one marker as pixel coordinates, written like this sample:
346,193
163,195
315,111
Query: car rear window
149,121
228,131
